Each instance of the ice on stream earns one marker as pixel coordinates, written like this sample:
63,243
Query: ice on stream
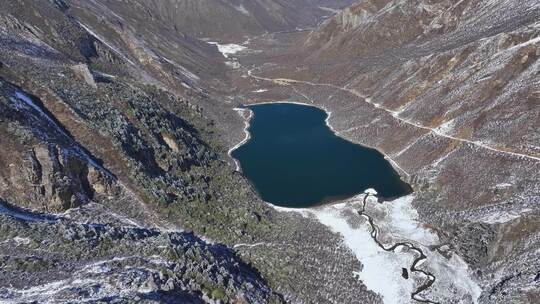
381,270
398,222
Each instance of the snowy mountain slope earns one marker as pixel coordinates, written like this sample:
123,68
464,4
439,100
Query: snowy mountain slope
448,90
230,19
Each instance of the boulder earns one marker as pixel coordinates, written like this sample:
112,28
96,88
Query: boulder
82,71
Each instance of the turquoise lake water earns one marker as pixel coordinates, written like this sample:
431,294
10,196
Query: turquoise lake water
294,160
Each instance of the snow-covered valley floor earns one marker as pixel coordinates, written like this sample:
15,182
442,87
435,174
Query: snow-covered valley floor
382,270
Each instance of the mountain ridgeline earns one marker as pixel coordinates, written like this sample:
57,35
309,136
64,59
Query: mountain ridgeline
117,119
230,20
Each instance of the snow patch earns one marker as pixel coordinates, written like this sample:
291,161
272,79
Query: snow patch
29,102
233,64
241,9
20,96
329,9
91,278
249,245
528,42
503,185
228,49
500,217
381,269
446,128
371,191
241,112
397,222
21,241
188,73
404,222
20,215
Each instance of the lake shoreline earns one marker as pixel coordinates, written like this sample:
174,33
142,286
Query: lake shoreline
327,121
393,182
247,135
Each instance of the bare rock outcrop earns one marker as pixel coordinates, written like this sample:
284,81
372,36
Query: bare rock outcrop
82,71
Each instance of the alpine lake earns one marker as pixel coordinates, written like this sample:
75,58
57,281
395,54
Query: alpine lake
293,159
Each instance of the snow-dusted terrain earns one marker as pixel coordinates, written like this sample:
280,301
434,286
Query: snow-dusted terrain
446,90
381,270
228,49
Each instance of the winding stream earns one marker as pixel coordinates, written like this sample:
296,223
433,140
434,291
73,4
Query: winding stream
295,160
421,256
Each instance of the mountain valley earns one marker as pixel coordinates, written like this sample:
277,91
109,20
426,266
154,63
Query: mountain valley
118,118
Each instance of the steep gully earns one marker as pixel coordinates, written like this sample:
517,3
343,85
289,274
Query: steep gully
374,228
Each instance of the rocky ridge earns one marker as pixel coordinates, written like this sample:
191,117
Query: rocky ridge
102,117
95,262
458,86
122,132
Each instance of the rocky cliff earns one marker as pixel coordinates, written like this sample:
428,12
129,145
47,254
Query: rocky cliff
449,92
116,118
112,146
